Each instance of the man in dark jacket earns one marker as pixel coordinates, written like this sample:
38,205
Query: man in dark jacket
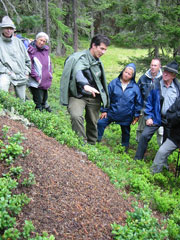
84,87
172,142
158,102
147,82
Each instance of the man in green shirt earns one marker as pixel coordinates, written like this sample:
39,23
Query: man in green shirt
84,87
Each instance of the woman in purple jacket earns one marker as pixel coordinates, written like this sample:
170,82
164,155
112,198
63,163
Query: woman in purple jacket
41,72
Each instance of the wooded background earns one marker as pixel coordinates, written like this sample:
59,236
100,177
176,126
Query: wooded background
151,24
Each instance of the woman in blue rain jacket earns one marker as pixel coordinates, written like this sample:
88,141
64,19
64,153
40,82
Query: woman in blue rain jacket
125,104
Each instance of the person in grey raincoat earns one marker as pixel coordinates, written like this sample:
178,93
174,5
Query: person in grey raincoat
15,64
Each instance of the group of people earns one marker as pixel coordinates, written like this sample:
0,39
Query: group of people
153,102
22,66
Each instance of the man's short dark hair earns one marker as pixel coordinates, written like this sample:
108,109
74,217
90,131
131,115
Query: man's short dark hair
98,39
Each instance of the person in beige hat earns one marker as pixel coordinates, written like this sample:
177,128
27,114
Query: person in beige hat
15,64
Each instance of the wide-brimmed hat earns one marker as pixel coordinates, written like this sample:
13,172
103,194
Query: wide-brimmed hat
172,67
7,22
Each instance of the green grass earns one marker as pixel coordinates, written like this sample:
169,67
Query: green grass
115,59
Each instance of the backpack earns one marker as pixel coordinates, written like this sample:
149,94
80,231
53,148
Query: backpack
25,41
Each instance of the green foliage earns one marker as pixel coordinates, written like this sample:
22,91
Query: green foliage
11,233
57,13
163,202
27,229
5,130
29,181
173,229
58,27
43,237
10,150
11,204
173,225
29,22
140,225
137,23
16,172
151,24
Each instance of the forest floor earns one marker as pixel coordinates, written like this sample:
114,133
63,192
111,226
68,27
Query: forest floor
72,197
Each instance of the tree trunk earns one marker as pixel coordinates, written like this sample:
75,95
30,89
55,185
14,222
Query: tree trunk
156,51
47,22
38,11
60,50
75,27
178,51
158,2
92,26
156,48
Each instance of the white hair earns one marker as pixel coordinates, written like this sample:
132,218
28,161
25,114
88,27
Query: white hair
130,68
42,34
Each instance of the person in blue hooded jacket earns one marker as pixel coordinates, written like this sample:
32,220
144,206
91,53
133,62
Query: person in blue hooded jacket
125,104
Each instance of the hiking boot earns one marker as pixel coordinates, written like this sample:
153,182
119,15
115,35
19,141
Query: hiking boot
126,149
48,109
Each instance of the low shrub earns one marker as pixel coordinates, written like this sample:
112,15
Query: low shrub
140,225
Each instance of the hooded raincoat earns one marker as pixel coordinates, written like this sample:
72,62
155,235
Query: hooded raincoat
124,105
14,59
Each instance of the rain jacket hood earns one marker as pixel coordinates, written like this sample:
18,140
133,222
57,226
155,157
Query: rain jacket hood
131,65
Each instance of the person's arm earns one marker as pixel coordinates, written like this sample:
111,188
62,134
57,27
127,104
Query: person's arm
25,56
3,68
173,113
50,70
36,69
27,63
149,109
81,79
139,83
83,82
138,105
105,110
138,102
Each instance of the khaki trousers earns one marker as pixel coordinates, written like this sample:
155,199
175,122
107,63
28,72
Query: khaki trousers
91,106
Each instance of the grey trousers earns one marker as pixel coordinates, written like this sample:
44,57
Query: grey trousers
141,126
143,141
5,81
76,109
161,157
